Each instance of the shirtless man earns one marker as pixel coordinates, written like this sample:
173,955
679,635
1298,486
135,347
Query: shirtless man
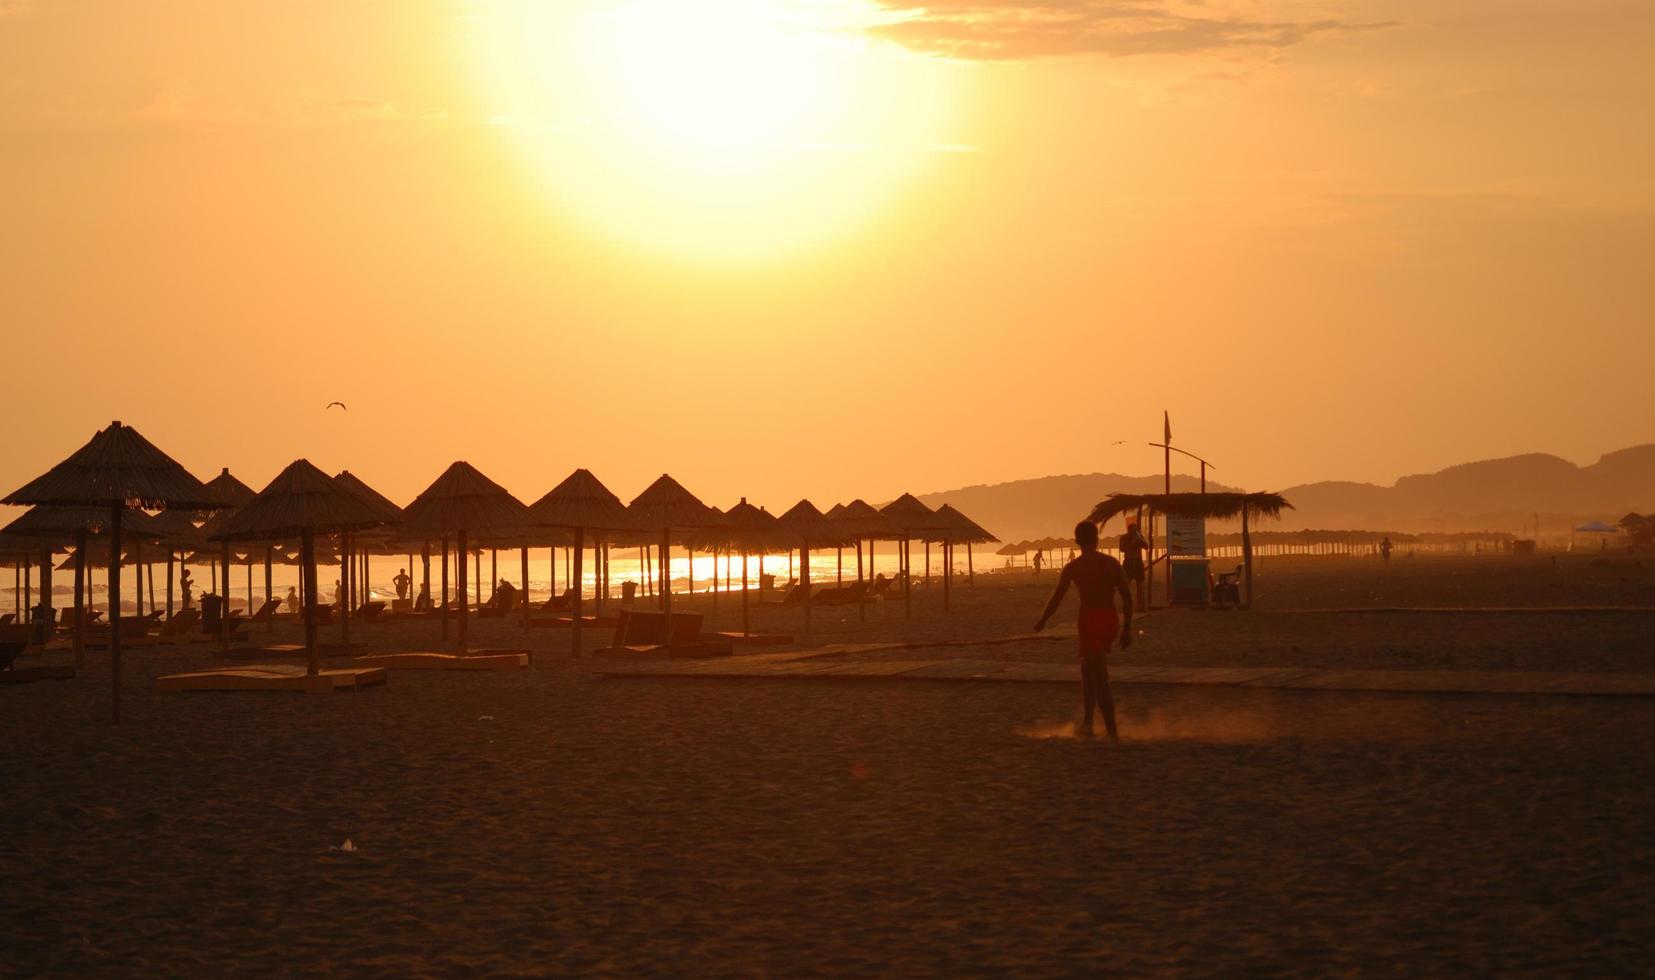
1099,579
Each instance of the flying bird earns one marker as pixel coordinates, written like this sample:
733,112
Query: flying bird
331,404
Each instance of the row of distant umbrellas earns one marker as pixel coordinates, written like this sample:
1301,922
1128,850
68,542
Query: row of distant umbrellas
107,489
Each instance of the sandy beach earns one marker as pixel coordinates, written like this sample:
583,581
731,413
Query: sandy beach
551,821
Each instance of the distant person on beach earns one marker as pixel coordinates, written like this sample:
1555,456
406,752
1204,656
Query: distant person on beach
1039,561
1099,578
505,595
422,602
1132,548
292,600
186,587
338,594
402,583
1385,548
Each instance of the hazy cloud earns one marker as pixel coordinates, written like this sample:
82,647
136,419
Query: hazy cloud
1013,30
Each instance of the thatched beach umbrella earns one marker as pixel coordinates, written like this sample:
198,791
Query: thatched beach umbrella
912,519
462,502
750,529
666,505
300,502
804,527
117,469
581,503
859,522
354,554
1215,506
54,527
962,530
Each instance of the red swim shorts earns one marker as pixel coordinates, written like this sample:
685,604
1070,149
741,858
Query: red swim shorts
1097,630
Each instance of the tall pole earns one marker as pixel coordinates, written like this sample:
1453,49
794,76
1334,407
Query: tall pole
524,595
444,606
461,554
575,583
80,605
115,608
307,578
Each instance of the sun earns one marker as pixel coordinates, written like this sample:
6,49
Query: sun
713,129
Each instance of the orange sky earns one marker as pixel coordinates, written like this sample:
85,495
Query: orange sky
827,247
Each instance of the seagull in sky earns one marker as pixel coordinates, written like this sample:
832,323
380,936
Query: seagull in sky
331,404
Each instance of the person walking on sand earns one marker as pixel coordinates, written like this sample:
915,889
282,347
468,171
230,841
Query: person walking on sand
1099,579
1132,548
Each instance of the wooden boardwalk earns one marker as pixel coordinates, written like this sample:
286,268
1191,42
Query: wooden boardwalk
816,665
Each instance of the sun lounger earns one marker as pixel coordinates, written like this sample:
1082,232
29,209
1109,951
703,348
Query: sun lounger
655,634
558,603
477,660
272,677
277,651
568,622
266,612
753,639
370,610
14,640
6,620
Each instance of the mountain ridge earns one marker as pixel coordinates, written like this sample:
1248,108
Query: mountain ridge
1501,494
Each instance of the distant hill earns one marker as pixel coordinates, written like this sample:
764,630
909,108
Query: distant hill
1490,495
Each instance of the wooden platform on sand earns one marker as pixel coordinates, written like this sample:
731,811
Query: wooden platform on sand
815,667
272,677
481,660
276,651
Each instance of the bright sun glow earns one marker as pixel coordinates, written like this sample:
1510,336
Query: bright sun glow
714,129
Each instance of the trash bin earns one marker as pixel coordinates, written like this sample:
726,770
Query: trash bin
212,610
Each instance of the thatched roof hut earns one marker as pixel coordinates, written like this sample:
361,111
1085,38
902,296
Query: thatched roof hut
581,503
300,502
1218,506
665,505
230,490
117,468
391,513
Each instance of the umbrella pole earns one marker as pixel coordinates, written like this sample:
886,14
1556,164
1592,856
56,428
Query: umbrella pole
862,600
745,630
666,569
114,610
689,562
597,577
1247,555
223,597
444,615
347,566
493,571
947,574
425,573
477,563
574,631
169,583
839,555
804,581
970,572
269,586
307,579
525,594
249,585
907,580
80,605
464,600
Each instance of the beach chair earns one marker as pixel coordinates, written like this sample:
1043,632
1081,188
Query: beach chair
558,603
182,623
1226,591
7,619
629,593
370,610
14,639
796,595
324,613
266,612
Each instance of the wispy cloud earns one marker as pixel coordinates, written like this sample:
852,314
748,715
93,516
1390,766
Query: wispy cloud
1015,30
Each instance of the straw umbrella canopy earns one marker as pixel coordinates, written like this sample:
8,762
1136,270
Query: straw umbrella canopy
377,541
56,527
912,520
962,530
748,529
232,491
463,501
300,502
666,505
581,503
1215,506
117,469
804,526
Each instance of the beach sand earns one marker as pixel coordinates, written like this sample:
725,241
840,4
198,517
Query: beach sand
547,820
